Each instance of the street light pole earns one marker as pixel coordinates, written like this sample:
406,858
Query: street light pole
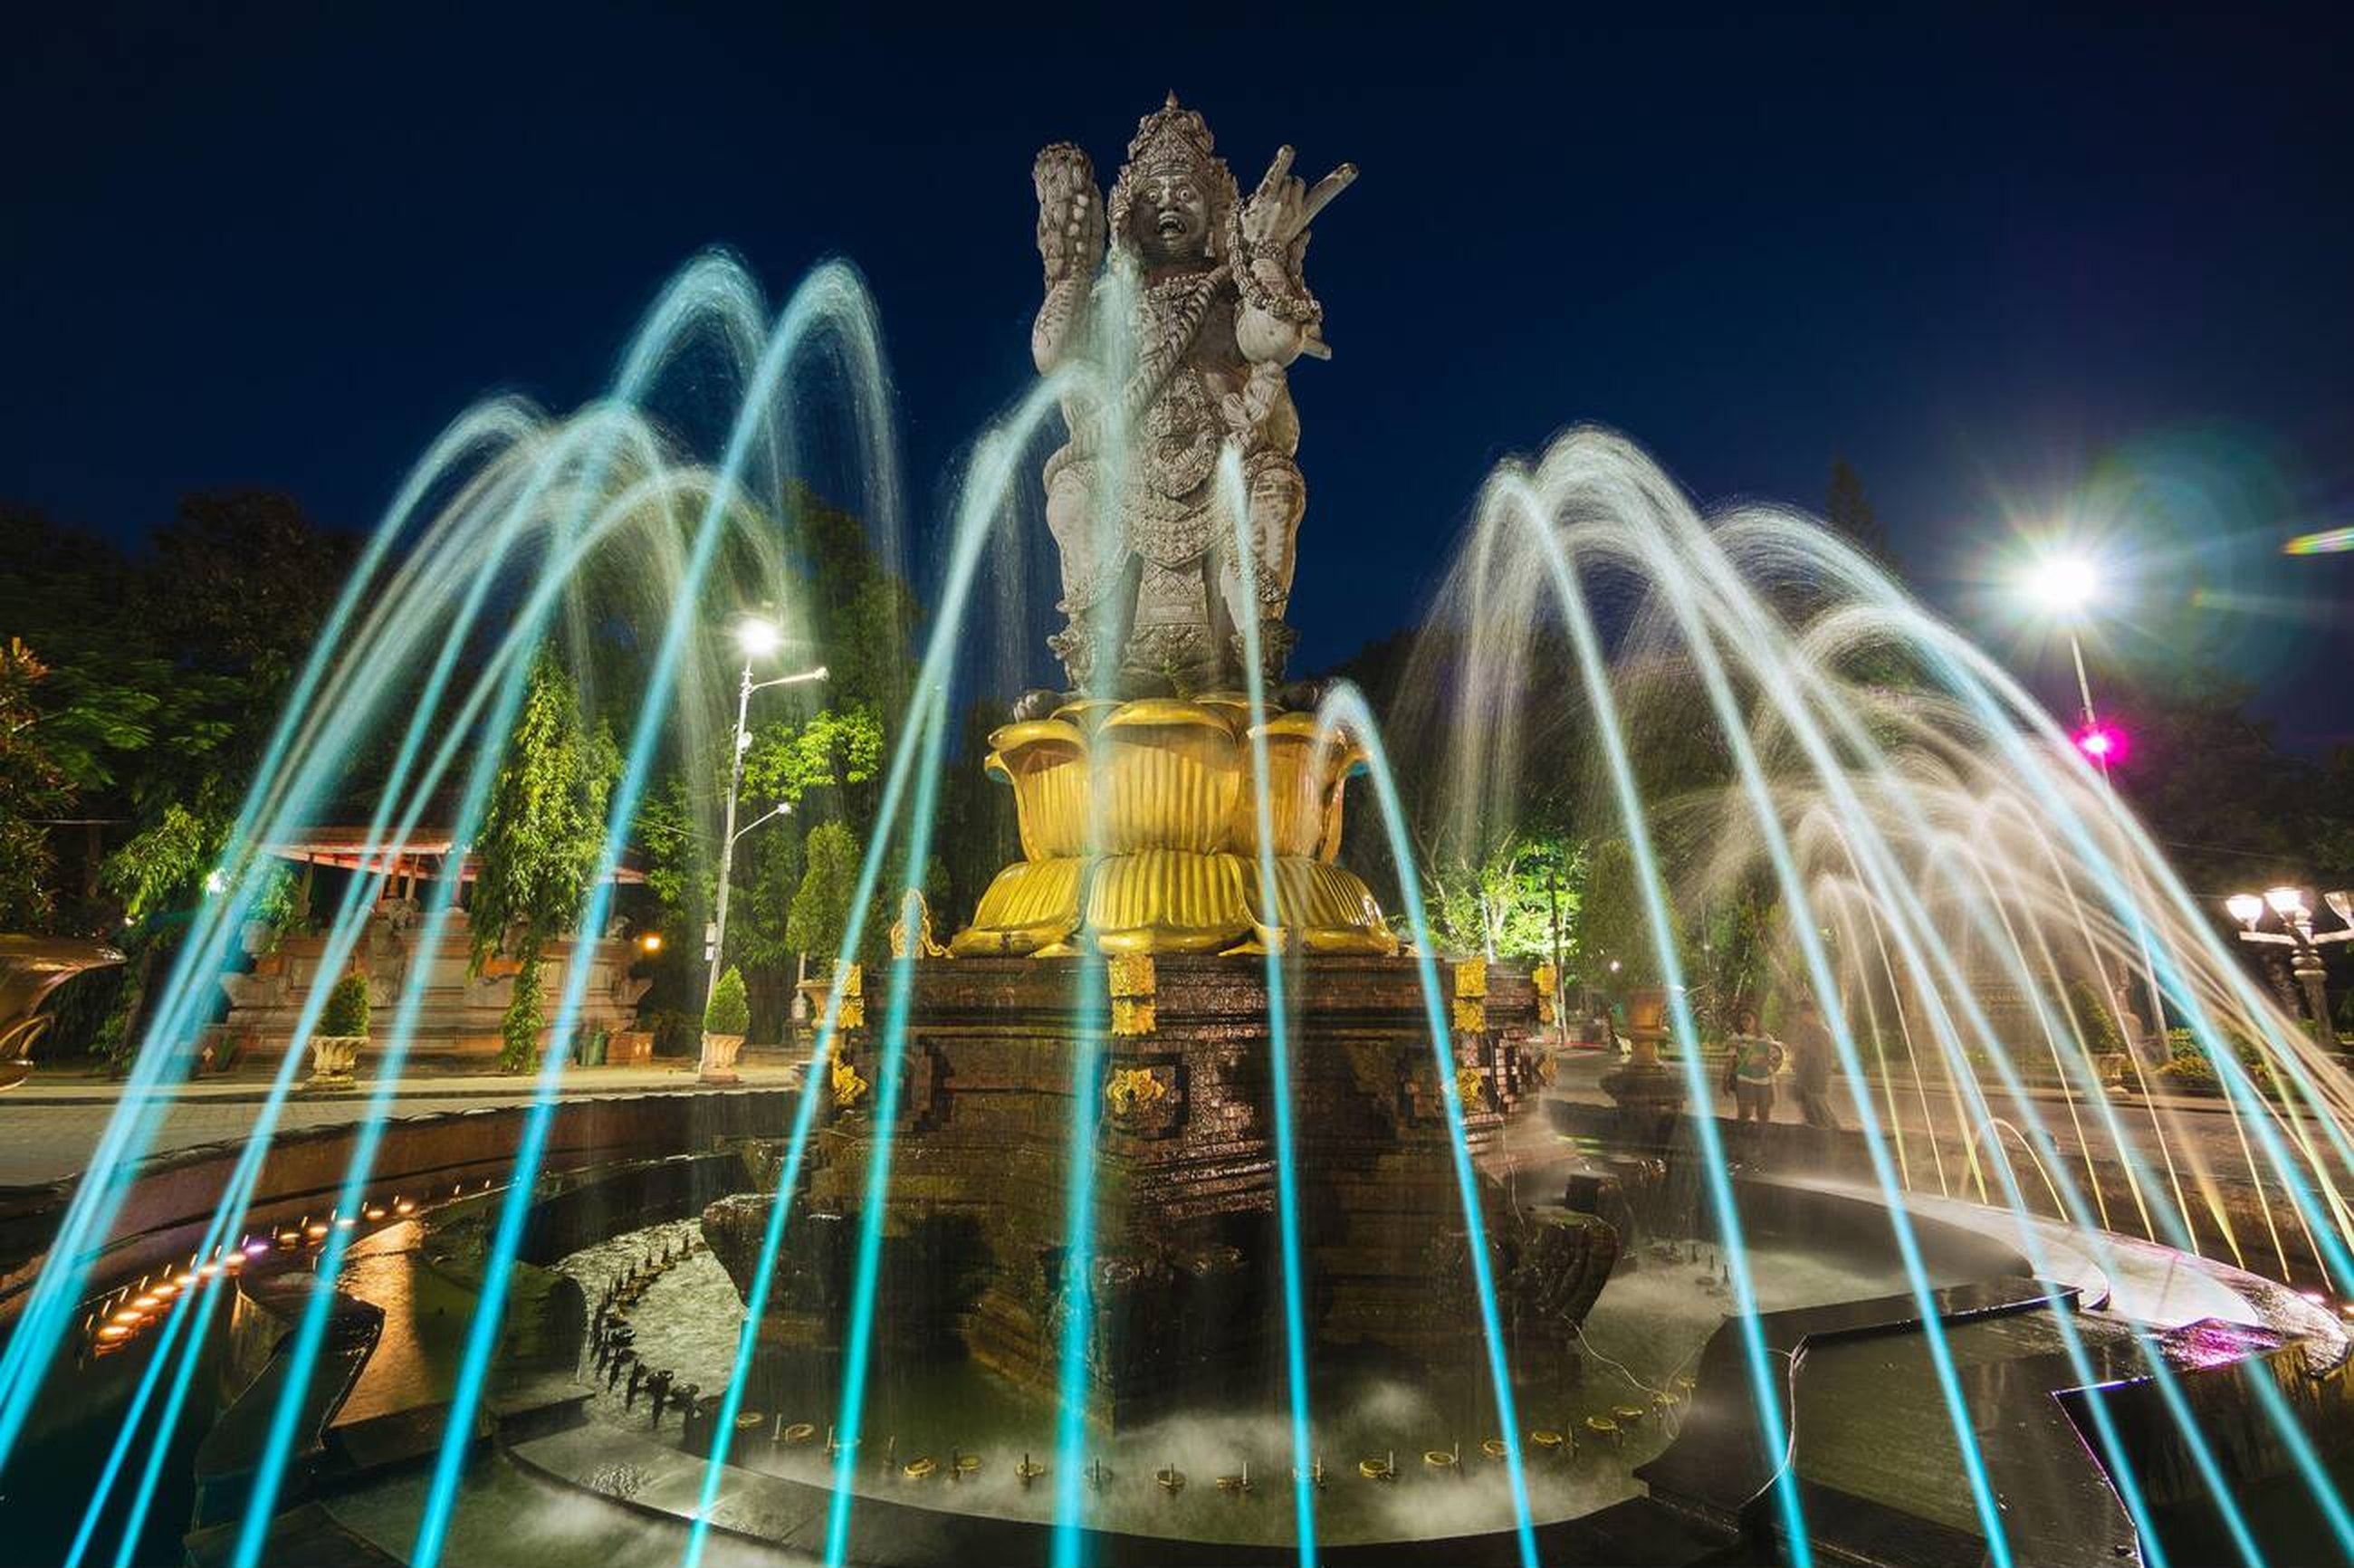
756,637
2063,583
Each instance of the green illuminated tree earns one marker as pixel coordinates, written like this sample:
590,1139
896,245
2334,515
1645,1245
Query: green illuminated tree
32,787
541,838
820,910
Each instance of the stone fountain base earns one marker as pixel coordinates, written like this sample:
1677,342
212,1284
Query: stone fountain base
1187,1271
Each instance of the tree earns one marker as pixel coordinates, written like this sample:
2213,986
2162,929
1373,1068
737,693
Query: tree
1505,906
1849,512
32,787
1614,922
520,1024
541,839
820,908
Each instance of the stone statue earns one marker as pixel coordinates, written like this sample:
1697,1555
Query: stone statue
1155,597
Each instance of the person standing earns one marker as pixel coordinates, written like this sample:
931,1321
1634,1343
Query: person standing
1810,1065
1755,1058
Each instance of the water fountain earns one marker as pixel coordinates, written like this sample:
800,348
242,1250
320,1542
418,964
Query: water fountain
1185,1206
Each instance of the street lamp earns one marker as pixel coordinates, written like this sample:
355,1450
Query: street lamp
757,639
2288,902
2063,584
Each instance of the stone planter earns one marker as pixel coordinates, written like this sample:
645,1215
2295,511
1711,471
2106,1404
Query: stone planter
719,1054
333,1057
1647,1025
818,995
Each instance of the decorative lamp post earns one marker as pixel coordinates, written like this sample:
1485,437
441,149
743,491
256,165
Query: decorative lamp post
2063,584
2305,944
757,639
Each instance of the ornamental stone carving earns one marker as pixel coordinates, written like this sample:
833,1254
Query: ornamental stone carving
1196,294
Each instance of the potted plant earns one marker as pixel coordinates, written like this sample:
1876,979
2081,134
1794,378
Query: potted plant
725,1024
343,1030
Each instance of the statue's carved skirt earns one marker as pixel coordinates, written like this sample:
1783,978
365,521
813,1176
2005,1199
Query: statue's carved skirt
1164,791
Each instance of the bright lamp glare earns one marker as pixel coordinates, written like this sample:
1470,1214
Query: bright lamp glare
2245,907
757,638
2286,901
2101,743
2063,584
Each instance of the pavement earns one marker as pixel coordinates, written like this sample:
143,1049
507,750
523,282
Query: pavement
2200,1132
49,1124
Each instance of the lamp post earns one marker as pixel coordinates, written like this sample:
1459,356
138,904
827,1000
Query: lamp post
757,639
2063,584
2297,934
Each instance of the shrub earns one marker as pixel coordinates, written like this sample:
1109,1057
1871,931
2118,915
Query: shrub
677,1034
730,1011
346,1012
2192,1070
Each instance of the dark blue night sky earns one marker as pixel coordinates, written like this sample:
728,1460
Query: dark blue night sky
2002,264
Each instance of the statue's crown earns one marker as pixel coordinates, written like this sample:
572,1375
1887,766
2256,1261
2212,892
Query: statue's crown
1172,137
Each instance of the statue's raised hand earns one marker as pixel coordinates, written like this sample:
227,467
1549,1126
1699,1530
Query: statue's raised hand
1283,206
1070,212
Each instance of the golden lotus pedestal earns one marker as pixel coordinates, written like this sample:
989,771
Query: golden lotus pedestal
1141,833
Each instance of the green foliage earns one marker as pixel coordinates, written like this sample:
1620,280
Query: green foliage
2096,1020
2190,1072
860,613
277,900
1735,965
676,1032
767,871
519,1026
730,1010
164,864
164,675
1613,922
346,1012
832,749
33,786
544,827
1505,906
2188,1064
821,907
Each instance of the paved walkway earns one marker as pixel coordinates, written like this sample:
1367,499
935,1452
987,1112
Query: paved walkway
2200,1132
49,1124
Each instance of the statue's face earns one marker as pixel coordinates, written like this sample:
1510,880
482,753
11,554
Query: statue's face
1172,219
